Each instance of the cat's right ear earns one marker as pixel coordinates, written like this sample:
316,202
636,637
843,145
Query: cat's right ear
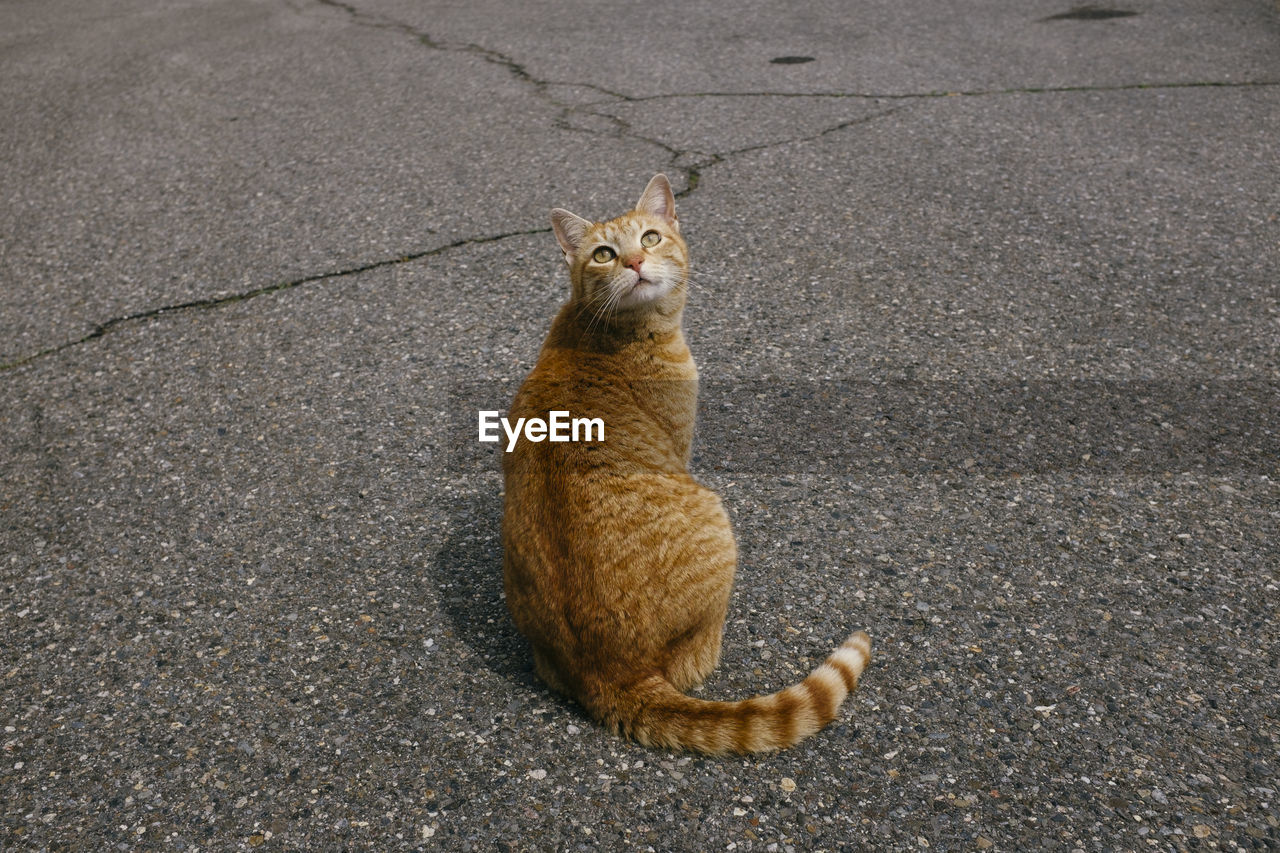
570,232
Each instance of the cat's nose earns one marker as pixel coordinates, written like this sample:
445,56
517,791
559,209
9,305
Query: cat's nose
633,262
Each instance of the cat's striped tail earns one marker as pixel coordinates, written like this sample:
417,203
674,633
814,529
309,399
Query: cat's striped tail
659,715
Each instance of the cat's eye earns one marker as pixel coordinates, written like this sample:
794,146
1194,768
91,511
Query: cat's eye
603,255
650,238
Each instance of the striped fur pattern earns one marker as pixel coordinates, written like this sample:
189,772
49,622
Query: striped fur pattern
617,564
668,718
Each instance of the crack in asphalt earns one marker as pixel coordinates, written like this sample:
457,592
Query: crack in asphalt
693,170
494,57
217,301
689,162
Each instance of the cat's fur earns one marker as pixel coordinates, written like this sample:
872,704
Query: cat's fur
618,564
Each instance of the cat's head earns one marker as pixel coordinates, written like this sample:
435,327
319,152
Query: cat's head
635,263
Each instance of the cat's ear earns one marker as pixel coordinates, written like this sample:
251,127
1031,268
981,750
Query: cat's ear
658,200
570,232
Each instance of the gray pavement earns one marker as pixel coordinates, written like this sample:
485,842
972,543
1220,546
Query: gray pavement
987,309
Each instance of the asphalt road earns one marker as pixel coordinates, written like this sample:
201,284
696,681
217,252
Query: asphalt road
987,310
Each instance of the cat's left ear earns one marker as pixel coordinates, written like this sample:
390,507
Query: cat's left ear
570,231
658,200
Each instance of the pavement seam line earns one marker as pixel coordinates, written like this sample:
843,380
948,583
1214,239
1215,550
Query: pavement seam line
961,93
106,326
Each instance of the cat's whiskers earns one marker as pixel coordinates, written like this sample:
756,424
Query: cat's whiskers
597,301
612,297
604,302
692,283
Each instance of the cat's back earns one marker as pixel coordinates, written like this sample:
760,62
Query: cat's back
643,393
578,500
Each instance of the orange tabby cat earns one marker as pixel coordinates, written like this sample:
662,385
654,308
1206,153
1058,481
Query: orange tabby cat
618,564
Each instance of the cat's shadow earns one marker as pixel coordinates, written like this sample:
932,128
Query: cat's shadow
468,577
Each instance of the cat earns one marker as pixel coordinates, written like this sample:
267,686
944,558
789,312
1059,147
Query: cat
617,564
